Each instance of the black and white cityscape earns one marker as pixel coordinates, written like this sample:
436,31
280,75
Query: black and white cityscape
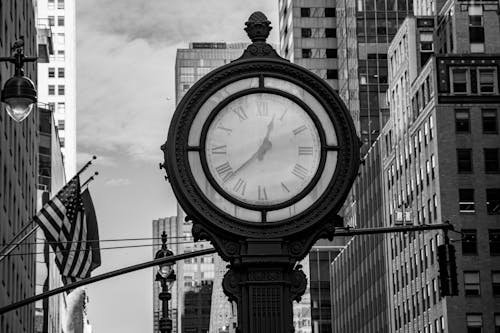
161,171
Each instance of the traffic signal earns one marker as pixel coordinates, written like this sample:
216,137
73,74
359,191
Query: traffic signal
447,270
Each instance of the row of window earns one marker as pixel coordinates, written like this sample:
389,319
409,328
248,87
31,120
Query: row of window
472,283
405,313
318,12
482,80
474,322
318,33
319,53
60,72
52,21
463,121
469,241
60,89
467,203
52,4
490,158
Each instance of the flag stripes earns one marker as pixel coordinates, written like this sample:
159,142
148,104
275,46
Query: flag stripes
64,223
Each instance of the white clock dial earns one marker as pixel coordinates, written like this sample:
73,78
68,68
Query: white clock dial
262,149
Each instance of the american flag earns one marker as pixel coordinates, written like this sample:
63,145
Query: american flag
66,227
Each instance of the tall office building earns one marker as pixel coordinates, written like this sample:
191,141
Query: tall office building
364,30
440,157
18,172
359,277
57,78
308,36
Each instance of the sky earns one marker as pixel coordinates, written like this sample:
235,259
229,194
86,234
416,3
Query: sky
125,98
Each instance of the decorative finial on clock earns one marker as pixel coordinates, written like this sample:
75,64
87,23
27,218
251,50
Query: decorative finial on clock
258,27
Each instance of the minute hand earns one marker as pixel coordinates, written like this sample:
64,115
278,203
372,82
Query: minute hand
263,148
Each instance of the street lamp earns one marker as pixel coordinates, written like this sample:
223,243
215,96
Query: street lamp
166,277
19,92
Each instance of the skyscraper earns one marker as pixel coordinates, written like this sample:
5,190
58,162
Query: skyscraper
440,163
18,172
57,78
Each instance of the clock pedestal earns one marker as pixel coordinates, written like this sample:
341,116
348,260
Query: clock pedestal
264,285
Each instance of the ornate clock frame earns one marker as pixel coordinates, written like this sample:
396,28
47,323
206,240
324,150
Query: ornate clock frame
264,277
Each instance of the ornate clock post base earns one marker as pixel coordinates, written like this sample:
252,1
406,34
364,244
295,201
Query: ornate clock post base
265,290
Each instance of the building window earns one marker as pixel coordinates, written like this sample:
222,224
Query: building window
495,283
474,323
494,235
51,20
476,29
490,121
466,200
330,33
472,285
491,164
60,72
330,12
331,53
464,160
60,124
486,81
332,74
62,142
459,81
52,106
497,323
60,55
60,38
462,120
60,4
52,89
469,241
61,107
52,72
60,21
306,53
493,201
51,4
305,12
60,89
306,32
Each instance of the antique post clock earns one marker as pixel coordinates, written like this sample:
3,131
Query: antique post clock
261,154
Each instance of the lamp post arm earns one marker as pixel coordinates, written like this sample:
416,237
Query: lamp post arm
105,276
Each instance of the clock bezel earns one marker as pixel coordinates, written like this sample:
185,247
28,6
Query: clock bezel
297,197
202,210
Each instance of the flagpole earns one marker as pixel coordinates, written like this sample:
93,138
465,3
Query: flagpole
121,271
12,244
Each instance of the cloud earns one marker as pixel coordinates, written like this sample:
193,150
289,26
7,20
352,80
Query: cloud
125,66
118,182
170,22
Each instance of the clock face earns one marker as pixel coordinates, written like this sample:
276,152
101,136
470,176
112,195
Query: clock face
262,149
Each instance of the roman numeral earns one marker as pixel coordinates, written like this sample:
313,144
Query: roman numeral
227,130
261,191
225,171
240,112
219,150
240,186
283,114
305,150
284,188
262,108
300,171
299,129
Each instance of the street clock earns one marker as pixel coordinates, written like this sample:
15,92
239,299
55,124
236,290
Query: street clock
261,154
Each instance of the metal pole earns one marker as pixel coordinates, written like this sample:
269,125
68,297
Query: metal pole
14,246
105,276
384,230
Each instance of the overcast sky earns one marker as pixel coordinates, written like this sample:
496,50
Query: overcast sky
125,99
